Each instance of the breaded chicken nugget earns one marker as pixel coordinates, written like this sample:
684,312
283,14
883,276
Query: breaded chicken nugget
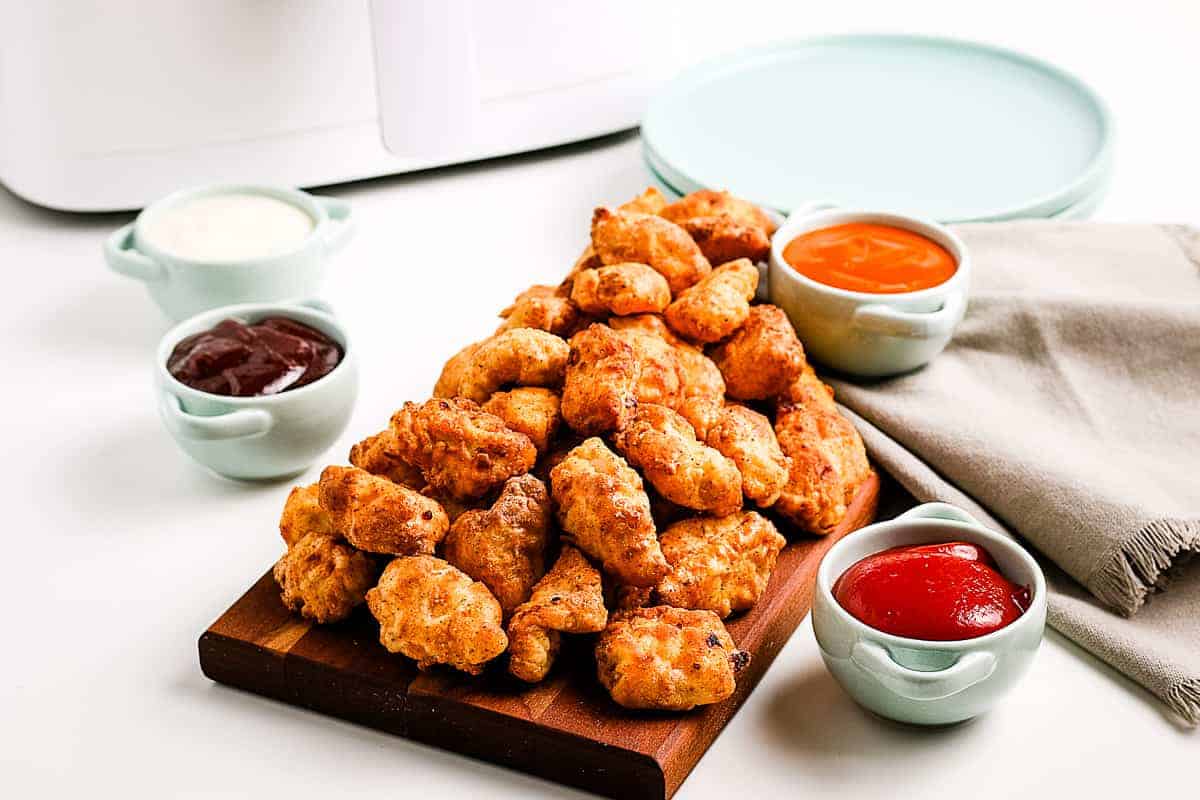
517,357
621,289
529,409
709,203
324,579
723,237
434,613
762,358
650,201
747,437
302,515
569,599
717,305
651,323
619,236
808,389
663,445
545,308
627,598
659,378
702,390
601,380
603,510
668,659
379,455
462,450
719,564
828,464
454,371
379,516
505,546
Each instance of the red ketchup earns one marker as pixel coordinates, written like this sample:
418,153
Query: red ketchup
938,592
268,357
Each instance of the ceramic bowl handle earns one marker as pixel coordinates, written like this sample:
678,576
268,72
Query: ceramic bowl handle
882,318
970,669
234,425
343,223
124,258
940,511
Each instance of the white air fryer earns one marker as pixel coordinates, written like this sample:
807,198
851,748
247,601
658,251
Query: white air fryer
110,105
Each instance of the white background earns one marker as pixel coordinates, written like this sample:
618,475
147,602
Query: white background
119,552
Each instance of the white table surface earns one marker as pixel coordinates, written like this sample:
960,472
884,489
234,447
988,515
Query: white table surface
119,552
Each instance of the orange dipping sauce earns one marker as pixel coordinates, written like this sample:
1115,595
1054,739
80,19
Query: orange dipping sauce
864,257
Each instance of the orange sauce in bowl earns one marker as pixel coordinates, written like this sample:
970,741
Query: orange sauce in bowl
864,257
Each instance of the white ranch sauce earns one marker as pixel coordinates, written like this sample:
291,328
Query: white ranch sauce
229,227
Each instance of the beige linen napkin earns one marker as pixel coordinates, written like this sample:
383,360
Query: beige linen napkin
1067,411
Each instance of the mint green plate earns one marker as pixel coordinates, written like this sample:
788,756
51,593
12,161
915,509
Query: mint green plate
936,128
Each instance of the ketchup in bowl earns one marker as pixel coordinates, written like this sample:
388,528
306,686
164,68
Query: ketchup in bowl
268,357
938,592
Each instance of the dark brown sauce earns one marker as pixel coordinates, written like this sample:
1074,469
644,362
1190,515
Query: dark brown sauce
238,360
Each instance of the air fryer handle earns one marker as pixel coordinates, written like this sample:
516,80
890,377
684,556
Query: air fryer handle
425,75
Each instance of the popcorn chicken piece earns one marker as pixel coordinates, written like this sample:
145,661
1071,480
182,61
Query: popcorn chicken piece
762,358
619,236
719,564
530,410
379,455
702,390
663,445
324,579
710,203
621,289
601,379
462,450
546,308
517,357
723,237
659,379
828,464
603,510
379,516
627,598
748,438
650,201
653,324
505,545
717,305
668,659
302,515
808,389
569,599
454,371
435,614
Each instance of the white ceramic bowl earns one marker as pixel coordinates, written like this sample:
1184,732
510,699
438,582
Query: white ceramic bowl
259,438
918,681
861,333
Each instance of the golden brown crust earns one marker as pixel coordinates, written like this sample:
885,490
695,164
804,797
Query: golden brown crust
653,324
762,358
621,289
663,445
650,201
619,236
709,203
531,410
504,546
569,599
601,378
747,437
302,515
454,370
603,510
723,237
435,614
717,305
324,579
721,564
659,379
380,456
379,516
517,357
461,449
545,308
668,659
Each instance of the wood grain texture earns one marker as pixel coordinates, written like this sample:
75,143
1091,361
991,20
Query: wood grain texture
565,729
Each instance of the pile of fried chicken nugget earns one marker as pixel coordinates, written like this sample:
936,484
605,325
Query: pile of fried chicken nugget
612,461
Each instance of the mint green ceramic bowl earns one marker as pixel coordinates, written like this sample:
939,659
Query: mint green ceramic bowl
186,286
259,438
917,681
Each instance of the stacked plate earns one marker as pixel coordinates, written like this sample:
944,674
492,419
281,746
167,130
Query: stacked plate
938,128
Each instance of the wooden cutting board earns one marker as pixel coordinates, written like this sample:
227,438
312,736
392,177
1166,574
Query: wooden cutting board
565,729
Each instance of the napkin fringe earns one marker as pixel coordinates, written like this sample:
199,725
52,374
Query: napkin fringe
1125,580
1184,699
